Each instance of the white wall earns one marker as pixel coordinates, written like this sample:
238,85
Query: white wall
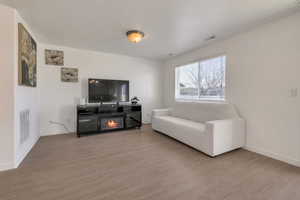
58,99
7,56
14,98
263,65
26,98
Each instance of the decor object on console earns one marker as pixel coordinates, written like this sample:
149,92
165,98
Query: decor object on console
101,118
54,57
83,101
135,100
213,128
27,59
69,74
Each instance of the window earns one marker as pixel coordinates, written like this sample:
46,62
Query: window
204,80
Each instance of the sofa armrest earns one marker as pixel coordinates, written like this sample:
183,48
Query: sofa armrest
226,134
160,112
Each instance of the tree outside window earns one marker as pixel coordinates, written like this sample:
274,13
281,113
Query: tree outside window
204,80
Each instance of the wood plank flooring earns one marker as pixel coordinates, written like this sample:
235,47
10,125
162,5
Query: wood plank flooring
144,165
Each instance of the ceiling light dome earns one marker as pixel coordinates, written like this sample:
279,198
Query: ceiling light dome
135,36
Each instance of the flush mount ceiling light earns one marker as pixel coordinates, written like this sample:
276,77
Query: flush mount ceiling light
135,36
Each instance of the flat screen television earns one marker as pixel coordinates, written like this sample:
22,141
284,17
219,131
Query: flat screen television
104,90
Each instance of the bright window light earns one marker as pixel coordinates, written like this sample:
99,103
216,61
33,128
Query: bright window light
204,80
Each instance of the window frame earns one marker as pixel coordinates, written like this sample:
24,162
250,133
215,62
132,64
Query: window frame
199,99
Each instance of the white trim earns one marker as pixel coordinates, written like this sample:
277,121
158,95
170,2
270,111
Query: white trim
22,156
275,156
202,59
201,100
57,133
6,166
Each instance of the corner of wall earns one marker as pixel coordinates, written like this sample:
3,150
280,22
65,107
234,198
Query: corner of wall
6,166
7,88
25,150
25,98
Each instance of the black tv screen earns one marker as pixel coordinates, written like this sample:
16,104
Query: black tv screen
104,90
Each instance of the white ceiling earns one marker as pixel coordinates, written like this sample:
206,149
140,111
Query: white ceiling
171,26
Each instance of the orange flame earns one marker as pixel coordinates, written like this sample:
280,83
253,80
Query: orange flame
112,124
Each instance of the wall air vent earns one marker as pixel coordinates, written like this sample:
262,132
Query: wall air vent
24,125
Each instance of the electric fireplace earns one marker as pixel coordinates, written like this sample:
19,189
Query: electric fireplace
112,123
105,118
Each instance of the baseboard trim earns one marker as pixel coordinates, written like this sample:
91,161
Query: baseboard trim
6,166
52,134
28,148
275,156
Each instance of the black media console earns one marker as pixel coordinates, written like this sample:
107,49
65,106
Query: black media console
107,117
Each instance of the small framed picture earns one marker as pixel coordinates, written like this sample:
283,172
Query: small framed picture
69,75
54,57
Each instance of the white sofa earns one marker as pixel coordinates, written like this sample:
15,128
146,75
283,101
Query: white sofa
213,128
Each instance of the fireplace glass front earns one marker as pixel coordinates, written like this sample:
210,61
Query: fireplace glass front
112,123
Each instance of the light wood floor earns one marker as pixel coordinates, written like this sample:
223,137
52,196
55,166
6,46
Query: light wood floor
144,165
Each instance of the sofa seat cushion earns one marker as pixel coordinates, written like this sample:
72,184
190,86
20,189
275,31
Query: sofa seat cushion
189,132
182,122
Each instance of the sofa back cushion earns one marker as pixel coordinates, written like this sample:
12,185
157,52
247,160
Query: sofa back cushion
202,112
